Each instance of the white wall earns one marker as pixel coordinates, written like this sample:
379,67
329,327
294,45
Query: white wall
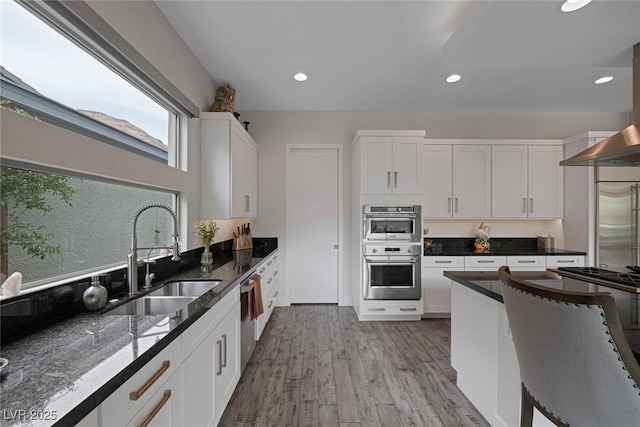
274,129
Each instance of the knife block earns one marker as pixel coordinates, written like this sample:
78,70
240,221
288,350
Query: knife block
242,242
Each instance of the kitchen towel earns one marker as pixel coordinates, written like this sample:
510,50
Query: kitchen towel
256,301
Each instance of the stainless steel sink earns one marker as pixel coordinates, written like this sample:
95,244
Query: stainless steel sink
186,288
152,305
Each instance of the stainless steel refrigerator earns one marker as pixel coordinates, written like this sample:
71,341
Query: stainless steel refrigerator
617,232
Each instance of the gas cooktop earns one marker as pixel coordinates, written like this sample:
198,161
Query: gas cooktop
605,275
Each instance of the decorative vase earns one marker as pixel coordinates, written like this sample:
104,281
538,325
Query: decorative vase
207,257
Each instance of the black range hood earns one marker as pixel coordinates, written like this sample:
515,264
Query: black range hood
622,148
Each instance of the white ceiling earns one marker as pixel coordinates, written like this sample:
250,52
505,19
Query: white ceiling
395,55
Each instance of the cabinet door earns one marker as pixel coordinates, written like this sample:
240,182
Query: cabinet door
252,181
407,165
198,385
546,181
377,165
509,181
238,174
436,289
227,358
472,181
437,175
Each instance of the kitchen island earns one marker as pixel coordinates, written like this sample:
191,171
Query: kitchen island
59,375
482,352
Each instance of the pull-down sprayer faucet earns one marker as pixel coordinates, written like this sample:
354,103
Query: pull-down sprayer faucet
132,260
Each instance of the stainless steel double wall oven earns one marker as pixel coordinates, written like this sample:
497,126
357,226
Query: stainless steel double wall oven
392,252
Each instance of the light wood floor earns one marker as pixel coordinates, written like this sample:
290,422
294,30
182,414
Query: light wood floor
317,365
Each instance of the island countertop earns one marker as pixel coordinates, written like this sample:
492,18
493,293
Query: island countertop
67,369
487,283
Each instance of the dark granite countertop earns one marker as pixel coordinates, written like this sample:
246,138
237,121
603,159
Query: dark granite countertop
488,283
463,246
70,367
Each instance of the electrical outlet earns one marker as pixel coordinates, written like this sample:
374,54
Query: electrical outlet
506,328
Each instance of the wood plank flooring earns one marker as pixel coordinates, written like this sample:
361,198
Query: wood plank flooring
317,365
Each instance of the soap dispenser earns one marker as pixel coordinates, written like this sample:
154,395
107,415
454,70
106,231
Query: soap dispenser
95,297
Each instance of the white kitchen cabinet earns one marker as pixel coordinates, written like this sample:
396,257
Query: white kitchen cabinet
228,168
391,164
457,181
436,289
555,261
91,420
527,262
164,408
142,391
391,310
269,280
211,369
527,181
484,262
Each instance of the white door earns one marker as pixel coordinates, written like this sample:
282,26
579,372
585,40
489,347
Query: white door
312,219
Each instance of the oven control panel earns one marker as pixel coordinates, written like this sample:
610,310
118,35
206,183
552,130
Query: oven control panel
392,249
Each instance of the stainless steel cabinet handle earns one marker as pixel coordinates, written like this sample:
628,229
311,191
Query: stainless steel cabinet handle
388,179
456,199
219,344
165,397
444,262
395,179
526,261
566,261
261,271
376,309
270,262
531,204
275,273
247,203
408,309
270,303
275,294
449,204
269,281
224,344
135,395
485,261
524,204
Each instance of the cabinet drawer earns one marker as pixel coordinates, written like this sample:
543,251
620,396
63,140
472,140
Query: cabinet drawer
443,262
194,335
487,262
130,397
393,308
526,261
565,261
163,409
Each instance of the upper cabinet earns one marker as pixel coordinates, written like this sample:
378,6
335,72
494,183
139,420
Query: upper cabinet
527,181
457,181
391,163
228,168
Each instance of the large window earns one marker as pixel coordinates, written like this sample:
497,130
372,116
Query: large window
62,64
56,226
55,80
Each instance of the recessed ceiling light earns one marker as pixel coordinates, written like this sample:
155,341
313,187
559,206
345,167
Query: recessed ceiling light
453,78
300,77
605,79
573,5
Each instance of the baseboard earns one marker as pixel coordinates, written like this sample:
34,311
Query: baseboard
346,301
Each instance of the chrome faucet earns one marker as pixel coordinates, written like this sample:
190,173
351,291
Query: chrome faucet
132,260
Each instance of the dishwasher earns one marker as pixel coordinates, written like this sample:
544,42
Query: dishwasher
247,340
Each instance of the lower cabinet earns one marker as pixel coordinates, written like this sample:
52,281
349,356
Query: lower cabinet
391,310
188,383
436,289
212,371
142,392
164,408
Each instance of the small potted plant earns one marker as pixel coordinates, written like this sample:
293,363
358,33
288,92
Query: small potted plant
207,229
